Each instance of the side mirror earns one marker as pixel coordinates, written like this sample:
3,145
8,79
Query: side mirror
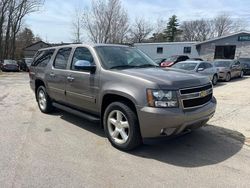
200,69
84,65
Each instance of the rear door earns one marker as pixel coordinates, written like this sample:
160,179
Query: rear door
57,75
82,86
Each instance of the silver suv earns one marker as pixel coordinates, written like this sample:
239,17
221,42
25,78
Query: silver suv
123,89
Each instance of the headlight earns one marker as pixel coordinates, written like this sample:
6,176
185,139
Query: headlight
162,98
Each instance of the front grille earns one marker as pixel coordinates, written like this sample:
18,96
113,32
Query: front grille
197,102
195,97
196,89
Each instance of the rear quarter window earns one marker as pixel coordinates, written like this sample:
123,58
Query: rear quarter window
42,58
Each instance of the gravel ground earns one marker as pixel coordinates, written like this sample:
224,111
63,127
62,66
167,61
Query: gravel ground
61,150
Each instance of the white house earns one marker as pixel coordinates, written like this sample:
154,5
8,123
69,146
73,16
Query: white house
166,49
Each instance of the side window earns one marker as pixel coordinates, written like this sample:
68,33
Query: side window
62,58
237,63
209,66
42,58
160,50
81,54
202,65
187,50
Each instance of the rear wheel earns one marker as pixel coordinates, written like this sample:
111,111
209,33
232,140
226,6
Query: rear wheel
121,126
215,80
228,77
43,99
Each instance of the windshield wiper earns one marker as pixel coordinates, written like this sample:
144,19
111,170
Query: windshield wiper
146,65
122,66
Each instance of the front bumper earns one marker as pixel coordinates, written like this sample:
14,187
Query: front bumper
156,122
222,76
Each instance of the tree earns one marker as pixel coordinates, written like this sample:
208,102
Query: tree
24,38
106,21
204,29
4,4
197,30
12,16
172,32
77,26
140,30
223,24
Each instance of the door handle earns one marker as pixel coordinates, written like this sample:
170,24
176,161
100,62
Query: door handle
52,74
71,79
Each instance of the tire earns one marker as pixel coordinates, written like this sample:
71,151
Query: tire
215,79
43,100
241,74
121,126
228,77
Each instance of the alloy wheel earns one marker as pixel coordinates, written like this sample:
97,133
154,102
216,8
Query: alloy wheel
118,127
42,99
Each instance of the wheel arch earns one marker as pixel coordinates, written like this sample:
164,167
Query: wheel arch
108,98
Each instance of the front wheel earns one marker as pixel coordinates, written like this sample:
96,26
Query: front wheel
228,77
121,126
215,80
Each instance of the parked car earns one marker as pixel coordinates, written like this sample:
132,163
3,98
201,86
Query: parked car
123,89
28,62
25,64
201,67
1,64
245,62
10,65
228,69
168,62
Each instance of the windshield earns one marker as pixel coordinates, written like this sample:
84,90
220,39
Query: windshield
113,57
185,66
222,63
172,58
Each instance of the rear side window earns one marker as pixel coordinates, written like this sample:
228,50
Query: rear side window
42,58
62,58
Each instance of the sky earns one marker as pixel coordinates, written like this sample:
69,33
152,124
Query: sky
53,22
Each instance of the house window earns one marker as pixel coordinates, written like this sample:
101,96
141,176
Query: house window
187,50
159,50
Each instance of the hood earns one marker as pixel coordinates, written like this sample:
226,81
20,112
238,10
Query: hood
168,77
222,69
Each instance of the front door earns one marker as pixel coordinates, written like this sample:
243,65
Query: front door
82,86
57,75
236,69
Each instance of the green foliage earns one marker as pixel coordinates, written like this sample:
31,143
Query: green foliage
172,31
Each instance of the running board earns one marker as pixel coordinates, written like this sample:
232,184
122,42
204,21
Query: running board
77,113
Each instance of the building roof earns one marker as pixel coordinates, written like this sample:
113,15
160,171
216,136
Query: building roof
223,37
165,43
36,44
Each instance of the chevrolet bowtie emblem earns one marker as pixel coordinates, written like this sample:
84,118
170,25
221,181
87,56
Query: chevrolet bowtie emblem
203,93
